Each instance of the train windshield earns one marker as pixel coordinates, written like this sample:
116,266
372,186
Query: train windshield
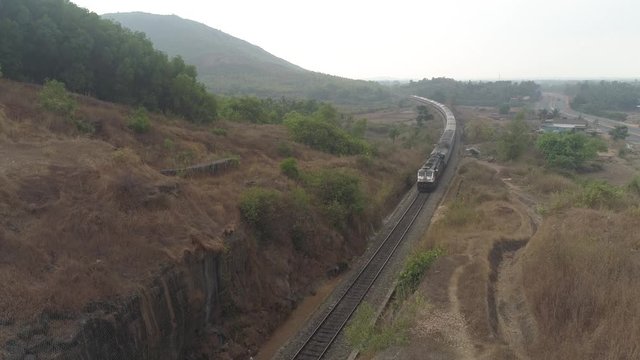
429,175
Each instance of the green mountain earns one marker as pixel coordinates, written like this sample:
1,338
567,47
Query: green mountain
231,66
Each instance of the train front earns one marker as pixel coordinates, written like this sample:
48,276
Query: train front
426,180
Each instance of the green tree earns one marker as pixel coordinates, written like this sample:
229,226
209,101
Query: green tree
323,135
514,140
394,132
620,132
42,40
568,150
423,115
359,128
504,109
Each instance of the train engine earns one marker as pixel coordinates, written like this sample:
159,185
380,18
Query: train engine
429,173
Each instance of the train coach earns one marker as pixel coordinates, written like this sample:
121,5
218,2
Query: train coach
429,174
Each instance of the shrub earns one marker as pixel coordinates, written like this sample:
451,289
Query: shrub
414,269
289,167
139,121
338,193
600,194
84,126
568,150
323,135
514,140
620,132
363,335
258,207
55,98
168,144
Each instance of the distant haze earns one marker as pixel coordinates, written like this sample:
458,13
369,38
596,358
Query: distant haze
463,39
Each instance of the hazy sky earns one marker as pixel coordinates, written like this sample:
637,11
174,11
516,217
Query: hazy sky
463,39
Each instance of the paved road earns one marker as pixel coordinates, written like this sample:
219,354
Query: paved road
561,102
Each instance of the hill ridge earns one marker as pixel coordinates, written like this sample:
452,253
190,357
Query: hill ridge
231,66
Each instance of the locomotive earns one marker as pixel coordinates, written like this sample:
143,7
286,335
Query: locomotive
429,174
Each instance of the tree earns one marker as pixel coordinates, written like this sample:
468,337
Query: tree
543,114
514,140
359,128
620,132
504,109
393,133
42,40
423,115
568,150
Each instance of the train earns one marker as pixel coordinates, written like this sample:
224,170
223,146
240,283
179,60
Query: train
431,171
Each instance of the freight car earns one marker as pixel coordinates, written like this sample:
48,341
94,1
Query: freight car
429,174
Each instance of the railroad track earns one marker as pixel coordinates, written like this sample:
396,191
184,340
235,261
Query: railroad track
324,334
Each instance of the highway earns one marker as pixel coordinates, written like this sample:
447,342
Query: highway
561,102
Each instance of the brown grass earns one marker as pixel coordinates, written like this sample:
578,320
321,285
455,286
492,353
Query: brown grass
86,217
582,271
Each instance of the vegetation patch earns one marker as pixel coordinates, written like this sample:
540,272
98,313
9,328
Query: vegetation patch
289,167
139,121
55,98
322,134
568,150
414,269
338,193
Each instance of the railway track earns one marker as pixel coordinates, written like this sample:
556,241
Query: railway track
327,331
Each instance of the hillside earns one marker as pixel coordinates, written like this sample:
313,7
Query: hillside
96,243
228,65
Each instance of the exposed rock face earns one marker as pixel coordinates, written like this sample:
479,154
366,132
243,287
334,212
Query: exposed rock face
158,322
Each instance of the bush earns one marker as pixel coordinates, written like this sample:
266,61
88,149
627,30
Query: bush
289,167
84,126
168,144
568,150
55,98
258,207
338,193
504,109
620,132
600,194
323,135
139,121
363,335
414,269
514,140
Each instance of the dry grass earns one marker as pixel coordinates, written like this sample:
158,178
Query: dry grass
86,217
581,271
544,182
